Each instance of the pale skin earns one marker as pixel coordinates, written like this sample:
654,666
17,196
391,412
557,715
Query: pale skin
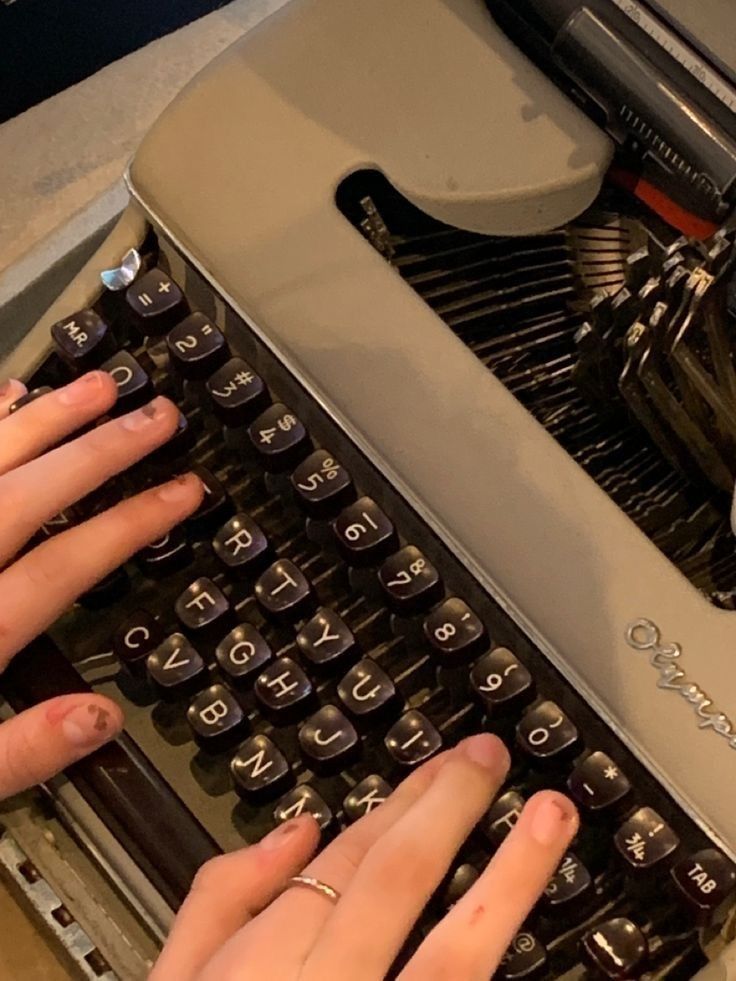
385,867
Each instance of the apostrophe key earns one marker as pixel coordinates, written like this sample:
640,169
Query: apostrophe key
365,535
242,655
217,719
196,347
176,668
83,340
455,633
322,485
134,384
135,639
156,303
241,546
328,741
370,793
260,771
237,393
410,582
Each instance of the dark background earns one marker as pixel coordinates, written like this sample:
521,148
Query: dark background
47,45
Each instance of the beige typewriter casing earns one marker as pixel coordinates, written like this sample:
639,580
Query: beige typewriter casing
240,175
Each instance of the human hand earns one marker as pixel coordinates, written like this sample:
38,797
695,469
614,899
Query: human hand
38,479
243,920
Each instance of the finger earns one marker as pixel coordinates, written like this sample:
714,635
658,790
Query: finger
228,891
365,932
335,865
10,391
41,585
49,419
471,940
40,742
40,489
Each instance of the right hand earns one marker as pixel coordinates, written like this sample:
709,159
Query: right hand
243,920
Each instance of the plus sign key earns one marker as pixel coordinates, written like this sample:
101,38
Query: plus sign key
155,302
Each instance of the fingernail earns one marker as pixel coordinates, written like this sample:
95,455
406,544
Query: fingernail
82,389
179,489
8,386
552,820
89,724
279,836
487,751
144,416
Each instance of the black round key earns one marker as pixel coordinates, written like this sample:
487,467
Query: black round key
237,393
202,606
410,582
525,959
456,634
328,741
284,592
569,887
284,692
136,637
597,784
645,842
83,340
365,796
326,641
546,734
216,719
215,504
364,534
165,555
304,800
616,948
155,303
279,438
35,393
501,683
260,771
502,816
196,347
106,591
368,694
455,885
241,546
704,881
176,668
242,655
322,485
134,385
412,740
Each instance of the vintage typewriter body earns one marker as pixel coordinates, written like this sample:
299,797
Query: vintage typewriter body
373,217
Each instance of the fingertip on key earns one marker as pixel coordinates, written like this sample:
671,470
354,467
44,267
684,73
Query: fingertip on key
86,721
187,487
554,818
488,751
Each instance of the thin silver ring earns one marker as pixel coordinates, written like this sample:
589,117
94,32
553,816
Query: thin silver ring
321,887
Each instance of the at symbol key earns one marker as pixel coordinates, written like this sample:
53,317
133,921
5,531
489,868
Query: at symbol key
196,347
328,741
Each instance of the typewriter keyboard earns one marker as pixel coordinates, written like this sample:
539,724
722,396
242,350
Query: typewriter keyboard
304,640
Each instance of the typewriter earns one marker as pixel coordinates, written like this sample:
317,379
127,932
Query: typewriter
464,406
